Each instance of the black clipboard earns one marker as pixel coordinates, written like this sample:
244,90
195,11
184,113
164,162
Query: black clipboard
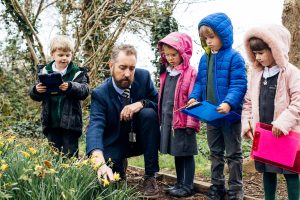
52,81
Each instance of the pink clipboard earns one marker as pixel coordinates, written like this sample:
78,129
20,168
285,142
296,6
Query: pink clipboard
283,152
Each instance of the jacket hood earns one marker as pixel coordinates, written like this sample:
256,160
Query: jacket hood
182,43
222,25
277,37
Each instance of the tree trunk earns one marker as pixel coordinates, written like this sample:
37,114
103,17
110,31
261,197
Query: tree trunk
291,20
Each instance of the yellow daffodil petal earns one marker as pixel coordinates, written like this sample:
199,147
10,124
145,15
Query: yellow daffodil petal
64,165
32,150
52,171
117,176
25,154
105,182
4,167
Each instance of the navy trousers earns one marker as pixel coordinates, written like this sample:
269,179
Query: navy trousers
146,127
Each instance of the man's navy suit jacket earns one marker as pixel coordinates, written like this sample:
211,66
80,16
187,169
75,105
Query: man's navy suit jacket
104,131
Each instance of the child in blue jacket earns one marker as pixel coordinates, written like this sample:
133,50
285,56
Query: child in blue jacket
222,80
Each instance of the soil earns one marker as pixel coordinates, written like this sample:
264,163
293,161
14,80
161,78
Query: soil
252,185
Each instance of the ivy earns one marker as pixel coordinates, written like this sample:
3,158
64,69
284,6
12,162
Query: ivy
16,108
163,24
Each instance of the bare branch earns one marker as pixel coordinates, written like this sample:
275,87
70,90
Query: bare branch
48,5
25,18
32,52
38,11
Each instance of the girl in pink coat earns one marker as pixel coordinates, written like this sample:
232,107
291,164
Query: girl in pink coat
178,131
273,97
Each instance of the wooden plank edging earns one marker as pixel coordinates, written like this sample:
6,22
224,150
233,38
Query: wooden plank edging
199,186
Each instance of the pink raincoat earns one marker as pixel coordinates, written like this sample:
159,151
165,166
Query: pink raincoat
183,44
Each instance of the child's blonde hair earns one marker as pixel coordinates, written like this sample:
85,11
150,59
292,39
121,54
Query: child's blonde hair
206,31
61,42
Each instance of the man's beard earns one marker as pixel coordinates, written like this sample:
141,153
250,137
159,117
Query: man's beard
123,84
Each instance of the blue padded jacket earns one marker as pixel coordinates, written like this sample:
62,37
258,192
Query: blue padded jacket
229,71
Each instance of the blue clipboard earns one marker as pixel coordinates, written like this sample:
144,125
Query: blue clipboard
206,112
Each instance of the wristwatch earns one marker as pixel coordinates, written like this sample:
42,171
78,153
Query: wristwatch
143,102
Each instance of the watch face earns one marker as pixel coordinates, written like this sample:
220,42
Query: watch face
143,102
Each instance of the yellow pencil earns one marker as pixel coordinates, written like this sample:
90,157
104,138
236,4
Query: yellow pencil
181,108
251,130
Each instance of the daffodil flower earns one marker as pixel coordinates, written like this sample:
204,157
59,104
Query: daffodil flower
52,171
4,167
39,171
64,165
11,139
24,177
105,182
25,154
117,176
32,150
1,144
38,167
48,164
96,166
84,162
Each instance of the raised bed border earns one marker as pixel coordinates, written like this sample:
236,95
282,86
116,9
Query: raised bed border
199,186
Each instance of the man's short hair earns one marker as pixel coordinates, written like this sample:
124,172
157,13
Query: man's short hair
61,42
127,48
257,44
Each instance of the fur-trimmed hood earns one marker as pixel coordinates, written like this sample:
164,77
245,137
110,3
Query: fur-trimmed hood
287,98
277,37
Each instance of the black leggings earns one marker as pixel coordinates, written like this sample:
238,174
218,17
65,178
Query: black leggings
185,170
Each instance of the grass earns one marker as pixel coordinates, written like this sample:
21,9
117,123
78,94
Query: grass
166,162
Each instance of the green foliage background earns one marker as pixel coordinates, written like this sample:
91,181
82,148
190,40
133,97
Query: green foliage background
17,111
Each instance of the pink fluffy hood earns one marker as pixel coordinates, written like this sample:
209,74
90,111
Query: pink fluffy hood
278,39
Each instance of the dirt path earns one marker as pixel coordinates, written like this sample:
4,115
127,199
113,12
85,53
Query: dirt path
135,178
252,185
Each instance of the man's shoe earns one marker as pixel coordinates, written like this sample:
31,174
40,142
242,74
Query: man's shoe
150,188
235,195
183,191
216,192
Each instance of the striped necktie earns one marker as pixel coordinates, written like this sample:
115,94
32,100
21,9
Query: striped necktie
126,97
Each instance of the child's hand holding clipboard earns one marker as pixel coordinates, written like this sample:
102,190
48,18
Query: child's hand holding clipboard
207,112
